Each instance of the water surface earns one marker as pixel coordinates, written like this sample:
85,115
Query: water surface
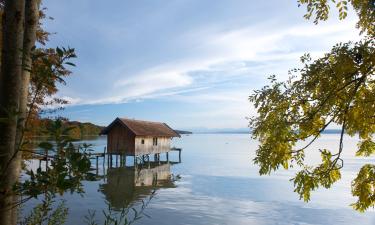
218,184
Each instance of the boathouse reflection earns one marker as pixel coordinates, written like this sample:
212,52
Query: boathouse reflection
125,185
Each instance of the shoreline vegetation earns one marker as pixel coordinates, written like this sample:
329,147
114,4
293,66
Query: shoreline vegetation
75,129
80,130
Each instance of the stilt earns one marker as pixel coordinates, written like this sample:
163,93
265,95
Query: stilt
167,156
125,160
109,160
97,165
97,161
179,156
103,158
104,165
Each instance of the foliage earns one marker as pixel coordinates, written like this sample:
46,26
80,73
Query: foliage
48,70
365,9
337,88
68,166
44,213
77,130
363,187
126,216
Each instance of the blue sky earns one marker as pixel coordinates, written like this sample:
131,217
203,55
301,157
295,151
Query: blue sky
190,63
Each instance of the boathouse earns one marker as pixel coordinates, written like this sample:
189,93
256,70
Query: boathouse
131,137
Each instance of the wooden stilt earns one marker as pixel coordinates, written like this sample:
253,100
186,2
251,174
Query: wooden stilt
103,158
104,165
97,164
167,156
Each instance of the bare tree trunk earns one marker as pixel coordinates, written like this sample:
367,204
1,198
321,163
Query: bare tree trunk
10,84
1,36
31,24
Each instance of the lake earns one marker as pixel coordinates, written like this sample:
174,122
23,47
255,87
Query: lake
217,183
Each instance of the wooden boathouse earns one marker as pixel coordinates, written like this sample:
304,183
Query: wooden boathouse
138,138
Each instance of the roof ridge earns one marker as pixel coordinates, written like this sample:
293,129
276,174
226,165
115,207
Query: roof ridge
143,127
146,121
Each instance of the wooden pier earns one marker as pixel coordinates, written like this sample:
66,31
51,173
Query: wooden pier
121,160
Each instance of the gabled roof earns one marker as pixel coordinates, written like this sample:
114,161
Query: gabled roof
144,128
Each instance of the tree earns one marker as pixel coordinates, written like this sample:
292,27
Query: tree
10,84
365,9
29,39
24,70
337,88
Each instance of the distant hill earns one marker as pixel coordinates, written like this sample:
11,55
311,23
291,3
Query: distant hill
332,131
183,132
222,130
77,130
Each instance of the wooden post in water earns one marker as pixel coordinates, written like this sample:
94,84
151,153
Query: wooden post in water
97,165
179,156
167,156
104,164
104,158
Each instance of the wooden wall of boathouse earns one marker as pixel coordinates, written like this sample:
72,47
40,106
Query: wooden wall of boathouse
120,140
147,146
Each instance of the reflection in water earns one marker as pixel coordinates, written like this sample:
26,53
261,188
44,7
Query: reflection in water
126,185
220,185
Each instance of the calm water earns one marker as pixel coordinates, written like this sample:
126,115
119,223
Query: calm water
220,185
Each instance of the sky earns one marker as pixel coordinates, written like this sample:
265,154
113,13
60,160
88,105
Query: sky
189,63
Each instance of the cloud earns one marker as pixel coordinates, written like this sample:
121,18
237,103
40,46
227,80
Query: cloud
224,52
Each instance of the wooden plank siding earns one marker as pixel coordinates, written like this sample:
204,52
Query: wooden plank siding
120,140
163,145
136,137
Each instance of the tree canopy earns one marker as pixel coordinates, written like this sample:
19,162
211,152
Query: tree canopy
338,88
318,10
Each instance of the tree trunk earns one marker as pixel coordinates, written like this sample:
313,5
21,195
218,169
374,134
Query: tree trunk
31,24
10,84
1,36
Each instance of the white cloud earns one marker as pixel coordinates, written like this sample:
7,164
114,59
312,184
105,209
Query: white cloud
219,55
